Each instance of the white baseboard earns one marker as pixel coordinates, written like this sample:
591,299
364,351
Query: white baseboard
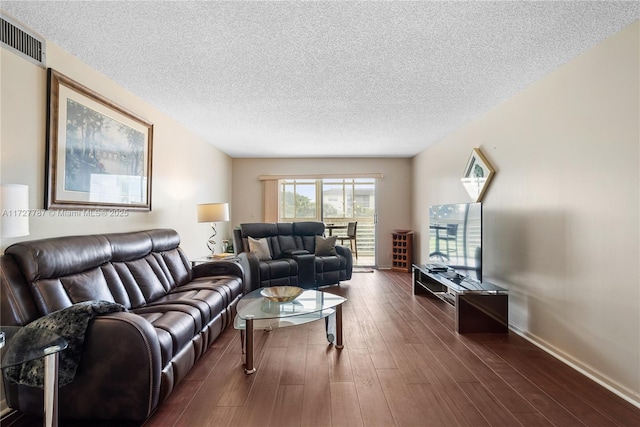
619,390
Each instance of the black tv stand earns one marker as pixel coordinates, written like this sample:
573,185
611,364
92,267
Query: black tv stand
480,306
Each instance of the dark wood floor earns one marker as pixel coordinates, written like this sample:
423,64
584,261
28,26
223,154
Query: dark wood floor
403,365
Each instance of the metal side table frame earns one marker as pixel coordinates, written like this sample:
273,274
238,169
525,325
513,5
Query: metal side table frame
35,344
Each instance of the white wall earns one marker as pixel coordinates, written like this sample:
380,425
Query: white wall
393,190
562,214
186,169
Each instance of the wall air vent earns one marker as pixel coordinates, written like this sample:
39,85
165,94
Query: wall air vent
22,41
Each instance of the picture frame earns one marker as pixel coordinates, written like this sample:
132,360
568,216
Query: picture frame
99,155
477,175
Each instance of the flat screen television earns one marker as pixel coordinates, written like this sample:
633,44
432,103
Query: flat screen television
455,238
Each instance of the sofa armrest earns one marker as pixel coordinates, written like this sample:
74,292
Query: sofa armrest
290,253
345,251
218,268
238,244
131,371
251,266
118,376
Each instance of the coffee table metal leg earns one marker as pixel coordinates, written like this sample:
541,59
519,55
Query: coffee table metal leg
338,315
248,367
243,340
51,390
330,327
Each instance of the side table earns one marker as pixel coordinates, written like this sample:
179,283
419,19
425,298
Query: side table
217,257
35,344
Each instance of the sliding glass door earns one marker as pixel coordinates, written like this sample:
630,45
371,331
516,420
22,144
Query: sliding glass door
337,201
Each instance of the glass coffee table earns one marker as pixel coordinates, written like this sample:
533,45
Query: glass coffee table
254,311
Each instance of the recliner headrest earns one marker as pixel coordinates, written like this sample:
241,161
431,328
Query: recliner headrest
60,256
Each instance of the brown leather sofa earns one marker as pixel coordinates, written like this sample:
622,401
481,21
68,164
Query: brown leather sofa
293,256
131,360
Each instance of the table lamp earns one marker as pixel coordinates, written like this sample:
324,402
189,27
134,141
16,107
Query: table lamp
213,212
14,199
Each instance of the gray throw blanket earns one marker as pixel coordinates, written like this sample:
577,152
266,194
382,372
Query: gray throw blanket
71,324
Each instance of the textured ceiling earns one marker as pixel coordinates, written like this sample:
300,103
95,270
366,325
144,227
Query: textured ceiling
324,79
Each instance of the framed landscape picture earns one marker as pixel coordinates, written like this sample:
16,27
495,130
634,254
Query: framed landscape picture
476,175
98,153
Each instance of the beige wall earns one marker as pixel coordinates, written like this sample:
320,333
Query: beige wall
564,203
393,190
562,214
186,169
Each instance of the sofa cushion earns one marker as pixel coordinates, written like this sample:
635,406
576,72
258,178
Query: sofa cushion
258,229
306,232
326,246
175,327
328,269
278,269
178,266
78,291
203,301
327,263
260,247
230,288
308,228
55,294
145,278
287,244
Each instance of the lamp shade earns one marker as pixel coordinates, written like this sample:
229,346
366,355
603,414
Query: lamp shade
213,212
15,210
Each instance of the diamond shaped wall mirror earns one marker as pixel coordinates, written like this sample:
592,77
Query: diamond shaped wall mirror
477,175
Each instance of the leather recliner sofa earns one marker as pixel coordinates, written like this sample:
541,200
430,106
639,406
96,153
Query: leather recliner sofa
293,258
130,360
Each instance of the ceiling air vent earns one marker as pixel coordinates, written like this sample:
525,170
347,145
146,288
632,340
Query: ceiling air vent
22,41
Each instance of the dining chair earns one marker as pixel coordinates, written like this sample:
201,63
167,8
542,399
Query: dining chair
351,237
450,236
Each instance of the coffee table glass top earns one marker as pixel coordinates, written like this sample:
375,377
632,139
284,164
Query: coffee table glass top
310,305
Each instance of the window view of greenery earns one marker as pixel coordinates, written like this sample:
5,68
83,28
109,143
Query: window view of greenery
341,199
299,200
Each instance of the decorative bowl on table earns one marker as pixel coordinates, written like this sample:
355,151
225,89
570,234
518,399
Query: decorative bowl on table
281,293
